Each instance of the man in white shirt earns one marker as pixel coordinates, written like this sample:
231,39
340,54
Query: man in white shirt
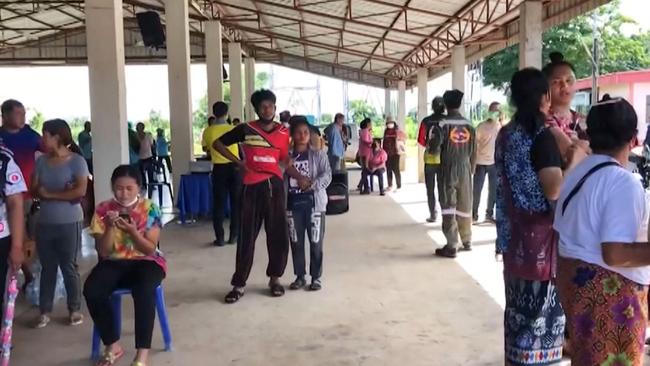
486,136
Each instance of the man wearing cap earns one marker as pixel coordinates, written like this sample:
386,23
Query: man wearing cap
457,160
430,137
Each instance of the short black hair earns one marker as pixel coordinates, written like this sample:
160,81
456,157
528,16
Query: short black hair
129,171
337,116
285,116
453,98
365,122
611,124
557,60
219,109
438,105
9,105
296,121
262,95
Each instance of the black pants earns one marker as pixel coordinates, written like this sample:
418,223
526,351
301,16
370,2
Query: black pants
393,168
168,161
141,277
226,182
367,176
89,162
146,170
431,176
5,248
479,180
264,202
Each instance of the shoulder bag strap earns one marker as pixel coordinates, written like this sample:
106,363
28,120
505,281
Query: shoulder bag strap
581,182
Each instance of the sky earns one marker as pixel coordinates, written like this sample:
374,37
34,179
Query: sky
62,91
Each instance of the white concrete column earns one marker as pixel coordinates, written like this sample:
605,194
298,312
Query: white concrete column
214,62
180,98
236,89
423,111
249,65
458,68
401,104
530,34
105,36
388,112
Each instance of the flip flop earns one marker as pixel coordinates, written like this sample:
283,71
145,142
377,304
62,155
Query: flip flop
109,358
233,296
277,290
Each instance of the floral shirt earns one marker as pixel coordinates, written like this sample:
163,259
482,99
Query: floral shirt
145,215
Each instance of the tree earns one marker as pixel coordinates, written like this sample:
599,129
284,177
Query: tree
619,52
36,122
326,118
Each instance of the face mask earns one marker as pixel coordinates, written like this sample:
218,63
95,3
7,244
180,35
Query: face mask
390,125
128,204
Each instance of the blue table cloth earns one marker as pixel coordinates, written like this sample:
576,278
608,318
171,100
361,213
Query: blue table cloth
195,196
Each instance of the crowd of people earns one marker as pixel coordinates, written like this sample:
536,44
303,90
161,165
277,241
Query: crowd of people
571,221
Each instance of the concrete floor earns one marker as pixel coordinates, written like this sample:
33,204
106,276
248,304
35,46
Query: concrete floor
386,300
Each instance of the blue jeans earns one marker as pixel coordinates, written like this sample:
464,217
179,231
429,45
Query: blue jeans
335,162
312,223
479,179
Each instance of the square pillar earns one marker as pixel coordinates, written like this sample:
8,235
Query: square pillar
249,65
530,34
458,68
401,104
236,87
105,36
423,111
388,112
180,98
214,62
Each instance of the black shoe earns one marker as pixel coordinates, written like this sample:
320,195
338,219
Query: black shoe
315,285
277,289
382,193
467,247
218,243
432,219
234,296
298,283
446,252
232,240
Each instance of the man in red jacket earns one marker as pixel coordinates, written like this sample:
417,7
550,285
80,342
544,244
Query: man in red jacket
265,146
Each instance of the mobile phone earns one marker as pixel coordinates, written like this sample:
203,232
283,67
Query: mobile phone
125,216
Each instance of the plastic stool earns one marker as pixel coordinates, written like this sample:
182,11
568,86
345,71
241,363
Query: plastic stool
116,302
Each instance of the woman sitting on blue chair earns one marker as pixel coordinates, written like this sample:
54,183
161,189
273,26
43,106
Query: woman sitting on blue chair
126,231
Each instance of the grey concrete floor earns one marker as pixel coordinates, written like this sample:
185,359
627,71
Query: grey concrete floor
386,301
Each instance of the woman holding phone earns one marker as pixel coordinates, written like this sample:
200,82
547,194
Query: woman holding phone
126,230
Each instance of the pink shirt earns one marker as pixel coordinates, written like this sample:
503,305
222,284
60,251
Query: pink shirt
378,159
365,143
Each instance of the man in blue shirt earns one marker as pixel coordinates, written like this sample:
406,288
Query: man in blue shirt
335,145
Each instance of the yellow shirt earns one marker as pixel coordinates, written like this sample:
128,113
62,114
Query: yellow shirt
431,159
211,134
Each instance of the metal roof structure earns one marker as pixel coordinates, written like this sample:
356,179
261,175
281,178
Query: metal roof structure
372,42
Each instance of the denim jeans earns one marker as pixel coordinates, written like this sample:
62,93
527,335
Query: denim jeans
479,179
312,223
431,177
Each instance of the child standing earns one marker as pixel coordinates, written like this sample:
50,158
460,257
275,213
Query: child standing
306,205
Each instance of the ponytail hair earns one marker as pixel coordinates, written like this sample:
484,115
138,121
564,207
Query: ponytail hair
60,128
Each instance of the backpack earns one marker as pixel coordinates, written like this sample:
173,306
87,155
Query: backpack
434,136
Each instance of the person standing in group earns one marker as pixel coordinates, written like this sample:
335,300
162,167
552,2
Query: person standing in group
365,149
162,149
604,264
226,178
145,155
134,145
565,123
25,144
306,207
335,144
285,116
430,138
85,140
126,229
394,144
457,161
376,166
206,148
486,136
529,175
12,217
60,180
265,144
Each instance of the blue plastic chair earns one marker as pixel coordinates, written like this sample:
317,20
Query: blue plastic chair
116,301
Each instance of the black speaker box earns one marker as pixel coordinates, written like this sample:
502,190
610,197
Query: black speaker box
153,33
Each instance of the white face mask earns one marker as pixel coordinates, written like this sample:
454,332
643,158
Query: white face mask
129,204
390,125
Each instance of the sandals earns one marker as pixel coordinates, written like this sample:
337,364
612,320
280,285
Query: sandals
298,283
234,296
315,285
138,363
277,289
109,358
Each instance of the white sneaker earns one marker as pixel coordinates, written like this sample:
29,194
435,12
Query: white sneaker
76,318
43,321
